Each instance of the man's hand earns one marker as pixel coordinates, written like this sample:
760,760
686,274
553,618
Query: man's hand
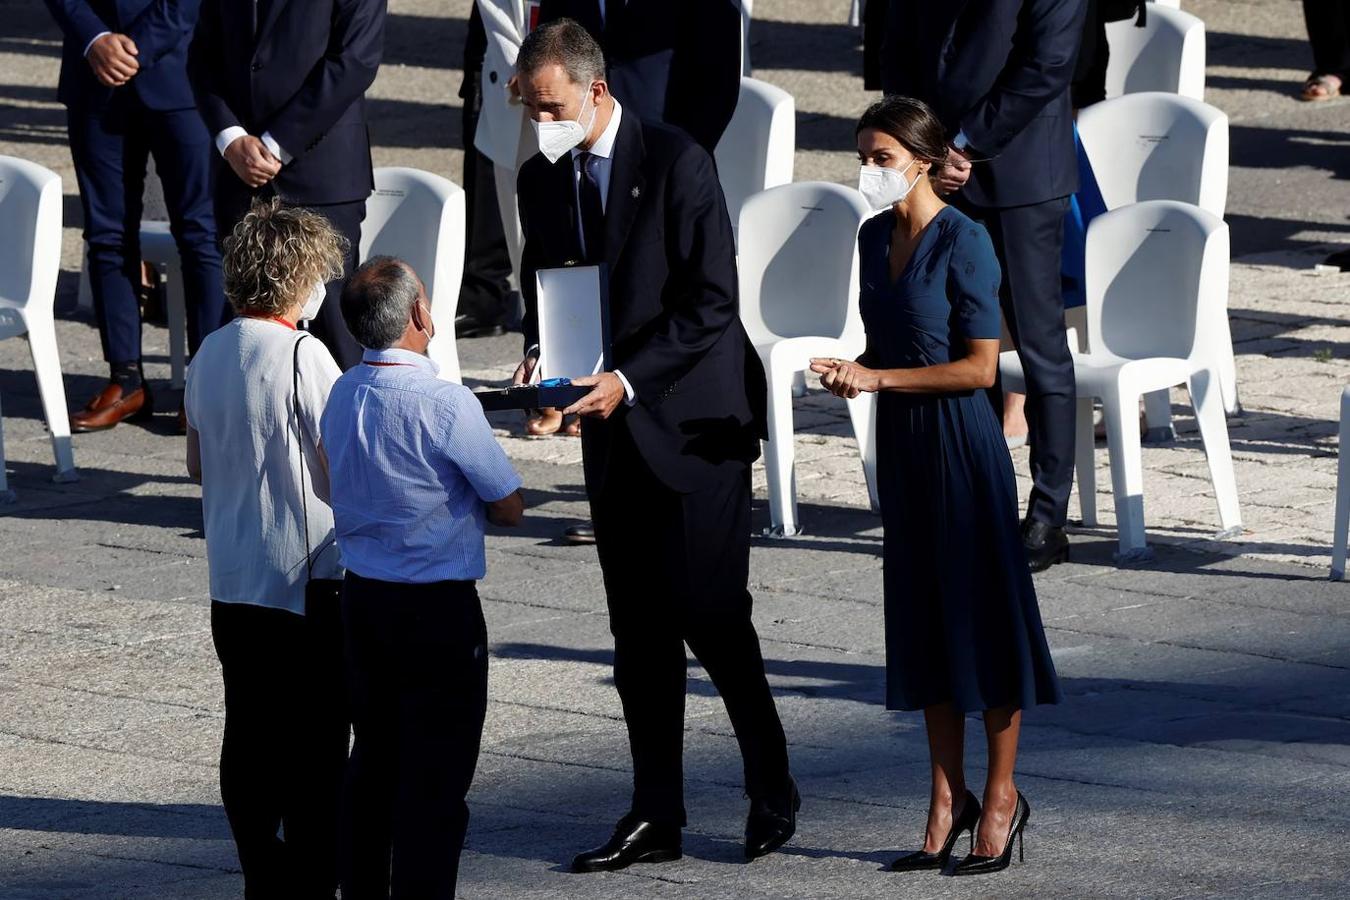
845,379
525,371
113,59
250,159
604,398
954,174
508,511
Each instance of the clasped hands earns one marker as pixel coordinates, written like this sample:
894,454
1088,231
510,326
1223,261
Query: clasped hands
600,402
113,59
954,174
845,378
250,159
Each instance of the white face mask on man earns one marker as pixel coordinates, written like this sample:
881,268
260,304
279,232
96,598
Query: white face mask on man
315,301
557,138
882,186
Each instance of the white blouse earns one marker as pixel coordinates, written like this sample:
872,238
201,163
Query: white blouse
239,399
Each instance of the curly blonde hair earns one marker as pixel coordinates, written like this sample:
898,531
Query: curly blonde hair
275,255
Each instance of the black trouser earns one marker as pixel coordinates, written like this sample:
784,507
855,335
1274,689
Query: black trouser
1028,241
111,147
675,568
1328,24
417,666
232,202
485,293
285,746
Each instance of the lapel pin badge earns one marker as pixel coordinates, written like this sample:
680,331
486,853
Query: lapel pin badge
637,192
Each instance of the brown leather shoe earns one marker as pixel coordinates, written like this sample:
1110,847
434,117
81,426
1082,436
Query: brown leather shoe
110,407
181,425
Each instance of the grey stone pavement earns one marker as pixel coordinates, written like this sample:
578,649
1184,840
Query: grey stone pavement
1204,748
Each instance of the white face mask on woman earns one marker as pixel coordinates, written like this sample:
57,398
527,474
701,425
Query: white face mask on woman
882,186
556,138
316,298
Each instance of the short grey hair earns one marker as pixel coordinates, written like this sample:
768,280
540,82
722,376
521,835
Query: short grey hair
377,300
566,43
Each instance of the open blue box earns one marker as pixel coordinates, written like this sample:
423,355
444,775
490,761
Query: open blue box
574,340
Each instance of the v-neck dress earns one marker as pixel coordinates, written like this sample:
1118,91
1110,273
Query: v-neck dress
962,623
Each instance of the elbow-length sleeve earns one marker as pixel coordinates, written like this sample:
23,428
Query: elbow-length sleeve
973,283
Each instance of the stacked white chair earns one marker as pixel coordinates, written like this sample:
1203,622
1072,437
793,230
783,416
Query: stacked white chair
159,248
1160,146
30,259
1156,273
799,299
757,149
419,217
1342,524
1167,54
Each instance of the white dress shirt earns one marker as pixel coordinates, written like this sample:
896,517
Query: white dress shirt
603,150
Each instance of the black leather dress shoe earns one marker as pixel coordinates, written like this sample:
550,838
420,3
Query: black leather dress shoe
467,326
1045,544
579,534
634,841
771,824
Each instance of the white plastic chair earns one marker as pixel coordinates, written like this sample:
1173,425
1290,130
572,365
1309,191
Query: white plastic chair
30,259
1156,273
799,299
756,151
1160,146
158,248
419,217
1167,54
1342,524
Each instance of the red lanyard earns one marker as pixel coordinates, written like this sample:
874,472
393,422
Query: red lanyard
277,319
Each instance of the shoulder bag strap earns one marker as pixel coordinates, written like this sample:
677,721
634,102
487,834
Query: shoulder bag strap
300,448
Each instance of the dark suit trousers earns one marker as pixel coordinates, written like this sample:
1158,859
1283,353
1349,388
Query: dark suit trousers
675,568
285,746
1328,24
1028,241
485,293
111,149
233,198
417,666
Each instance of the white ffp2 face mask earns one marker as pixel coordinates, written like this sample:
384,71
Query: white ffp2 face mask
315,301
882,186
557,138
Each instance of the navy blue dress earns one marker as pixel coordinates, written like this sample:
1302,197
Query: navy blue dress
962,624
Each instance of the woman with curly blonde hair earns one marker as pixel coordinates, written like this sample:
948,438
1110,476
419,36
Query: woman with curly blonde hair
256,391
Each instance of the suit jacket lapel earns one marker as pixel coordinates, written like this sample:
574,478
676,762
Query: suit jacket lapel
271,11
626,185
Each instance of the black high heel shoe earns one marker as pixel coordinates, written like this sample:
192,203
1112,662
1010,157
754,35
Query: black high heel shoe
984,865
920,860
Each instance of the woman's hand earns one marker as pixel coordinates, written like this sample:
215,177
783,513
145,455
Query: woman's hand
846,379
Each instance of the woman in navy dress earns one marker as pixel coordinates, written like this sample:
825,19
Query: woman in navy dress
963,632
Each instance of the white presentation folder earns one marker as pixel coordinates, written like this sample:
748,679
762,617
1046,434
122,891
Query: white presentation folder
573,309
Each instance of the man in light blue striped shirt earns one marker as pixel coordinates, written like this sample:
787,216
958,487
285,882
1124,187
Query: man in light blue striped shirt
415,474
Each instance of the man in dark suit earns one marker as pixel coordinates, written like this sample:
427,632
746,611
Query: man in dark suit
124,86
670,432
281,85
678,63
997,74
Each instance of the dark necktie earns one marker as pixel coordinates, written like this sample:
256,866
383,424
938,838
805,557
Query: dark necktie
592,209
